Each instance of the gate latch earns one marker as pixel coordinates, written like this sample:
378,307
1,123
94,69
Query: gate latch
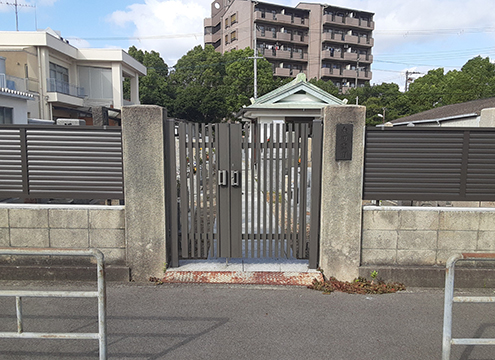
235,178
222,177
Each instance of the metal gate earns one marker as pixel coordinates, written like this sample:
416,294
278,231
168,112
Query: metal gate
243,190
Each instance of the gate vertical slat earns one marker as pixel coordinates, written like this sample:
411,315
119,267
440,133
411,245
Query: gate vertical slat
184,200
171,192
192,210
258,186
245,153
283,215
277,191
295,196
254,160
212,193
290,194
270,194
264,190
197,176
203,173
303,190
236,190
224,203
315,193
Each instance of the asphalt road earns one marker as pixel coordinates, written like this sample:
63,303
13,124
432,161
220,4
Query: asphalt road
245,322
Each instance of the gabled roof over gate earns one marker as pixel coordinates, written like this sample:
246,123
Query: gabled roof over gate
298,94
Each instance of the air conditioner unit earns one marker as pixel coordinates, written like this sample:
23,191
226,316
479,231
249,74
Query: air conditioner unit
73,122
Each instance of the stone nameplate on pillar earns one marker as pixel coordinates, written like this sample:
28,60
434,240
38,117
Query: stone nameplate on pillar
343,143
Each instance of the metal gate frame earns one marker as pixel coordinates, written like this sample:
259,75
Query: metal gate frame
222,168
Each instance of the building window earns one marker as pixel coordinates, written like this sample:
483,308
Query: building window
233,18
233,36
262,30
96,83
226,22
226,39
6,115
59,79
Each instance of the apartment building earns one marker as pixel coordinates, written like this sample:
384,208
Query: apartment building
323,41
66,82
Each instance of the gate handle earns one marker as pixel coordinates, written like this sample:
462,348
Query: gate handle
235,179
222,177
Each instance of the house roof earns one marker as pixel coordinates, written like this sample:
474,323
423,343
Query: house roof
448,112
16,94
297,94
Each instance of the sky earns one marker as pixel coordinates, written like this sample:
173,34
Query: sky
410,35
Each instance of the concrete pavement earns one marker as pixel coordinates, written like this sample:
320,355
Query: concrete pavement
198,321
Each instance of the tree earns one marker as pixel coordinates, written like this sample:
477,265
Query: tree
198,80
327,86
239,78
154,87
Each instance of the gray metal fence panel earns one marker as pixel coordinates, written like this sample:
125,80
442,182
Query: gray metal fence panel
454,164
61,162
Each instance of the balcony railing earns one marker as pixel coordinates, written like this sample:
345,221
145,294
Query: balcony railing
54,85
345,73
353,22
3,82
283,54
281,19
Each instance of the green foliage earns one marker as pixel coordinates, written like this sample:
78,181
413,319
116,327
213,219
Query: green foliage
207,86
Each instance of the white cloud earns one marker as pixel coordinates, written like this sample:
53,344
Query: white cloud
177,24
79,43
447,29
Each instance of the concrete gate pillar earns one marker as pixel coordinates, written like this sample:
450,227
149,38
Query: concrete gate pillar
144,189
341,199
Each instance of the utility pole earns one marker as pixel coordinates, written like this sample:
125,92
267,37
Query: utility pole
255,58
407,77
16,5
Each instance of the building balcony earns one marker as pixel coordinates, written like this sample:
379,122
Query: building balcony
57,86
13,83
346,74
284,72
209,39
284,54
281,19
347,39
280,36
349,21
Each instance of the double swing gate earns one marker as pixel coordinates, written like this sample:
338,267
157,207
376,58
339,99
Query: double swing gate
243,190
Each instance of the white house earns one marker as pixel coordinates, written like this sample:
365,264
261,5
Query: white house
475,113
65,81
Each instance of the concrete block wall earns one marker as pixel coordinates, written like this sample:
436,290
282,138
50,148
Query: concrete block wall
65,226
424,236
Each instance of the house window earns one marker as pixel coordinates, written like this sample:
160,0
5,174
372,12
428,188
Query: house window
233,36
6,115
95,82
233,18
59,79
